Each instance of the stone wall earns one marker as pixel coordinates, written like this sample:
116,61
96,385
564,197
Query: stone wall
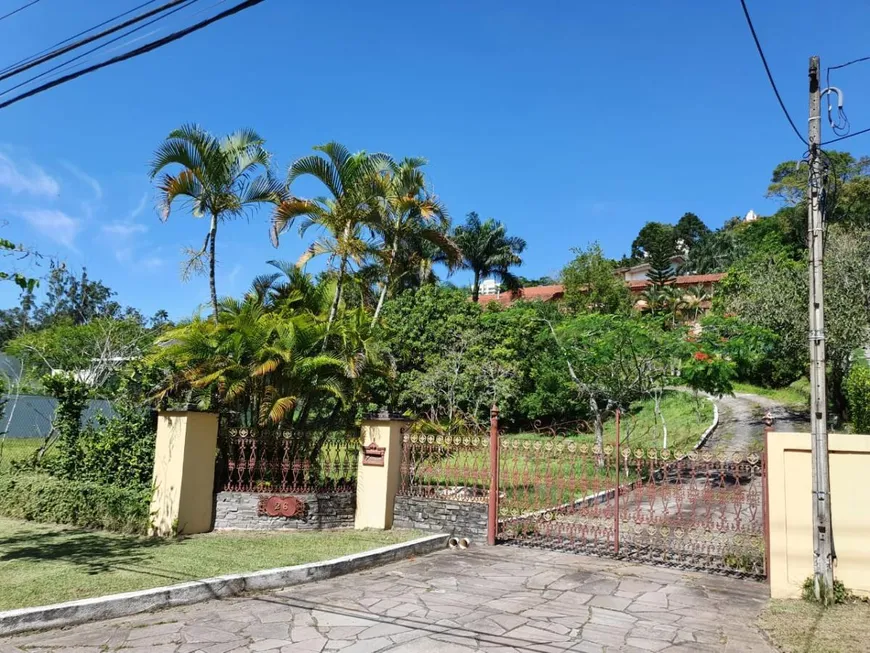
239,510
460,518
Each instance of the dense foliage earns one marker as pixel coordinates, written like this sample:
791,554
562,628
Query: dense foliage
43,498
858,395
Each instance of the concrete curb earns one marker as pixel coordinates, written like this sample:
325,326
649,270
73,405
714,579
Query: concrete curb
158,598
713,426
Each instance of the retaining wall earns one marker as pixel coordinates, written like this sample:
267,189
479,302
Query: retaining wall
239,510
460,518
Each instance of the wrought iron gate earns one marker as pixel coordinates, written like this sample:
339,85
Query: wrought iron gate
699,509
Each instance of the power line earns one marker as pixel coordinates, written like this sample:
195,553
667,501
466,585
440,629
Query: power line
843,138
769,74
178,6
842,131
75,36
21,8
154,45
6,74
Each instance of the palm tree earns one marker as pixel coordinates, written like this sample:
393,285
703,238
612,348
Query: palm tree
266,367
410,217
487,250
218,179
343,217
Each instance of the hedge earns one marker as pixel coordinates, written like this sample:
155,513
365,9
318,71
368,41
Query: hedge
857,387
43,498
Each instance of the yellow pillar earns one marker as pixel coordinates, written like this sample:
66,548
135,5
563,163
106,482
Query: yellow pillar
379,471
184,460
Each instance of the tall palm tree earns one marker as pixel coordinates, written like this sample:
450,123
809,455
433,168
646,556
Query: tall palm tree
344,216
219,179
410,216
487,250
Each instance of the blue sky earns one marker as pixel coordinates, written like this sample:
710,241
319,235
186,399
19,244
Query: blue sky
569,121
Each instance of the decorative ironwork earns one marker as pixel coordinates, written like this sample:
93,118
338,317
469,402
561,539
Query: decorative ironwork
255,460
279,506
451,466
698,509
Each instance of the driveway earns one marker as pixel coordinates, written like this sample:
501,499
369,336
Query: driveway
498,600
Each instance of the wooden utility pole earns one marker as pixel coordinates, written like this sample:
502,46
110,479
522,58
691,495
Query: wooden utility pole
823,572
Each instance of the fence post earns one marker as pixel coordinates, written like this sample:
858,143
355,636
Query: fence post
616,492
492,517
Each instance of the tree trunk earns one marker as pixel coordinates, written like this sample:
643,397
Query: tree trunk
211,266
660,416
393,252
333,310
475,289
599,429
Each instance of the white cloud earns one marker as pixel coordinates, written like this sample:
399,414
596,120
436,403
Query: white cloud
26,178
55,225
86,178
124,229
139,207
152,262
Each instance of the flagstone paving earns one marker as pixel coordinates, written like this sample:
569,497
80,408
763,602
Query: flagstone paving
495,600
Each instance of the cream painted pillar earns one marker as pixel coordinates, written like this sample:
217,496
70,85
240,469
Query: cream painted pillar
379,471
184,460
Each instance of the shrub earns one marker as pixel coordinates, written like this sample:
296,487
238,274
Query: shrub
43,498
118,450
857,389
840,593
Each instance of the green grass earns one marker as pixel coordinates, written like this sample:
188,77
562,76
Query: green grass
42,564
799,626
12,449
795,397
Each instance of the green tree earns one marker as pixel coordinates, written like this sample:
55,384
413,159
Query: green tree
689,231
592,285
410,216
487,250
652,236
353,206
788,182
612,361
219,179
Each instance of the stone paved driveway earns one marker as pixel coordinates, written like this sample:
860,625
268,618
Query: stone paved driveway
498,600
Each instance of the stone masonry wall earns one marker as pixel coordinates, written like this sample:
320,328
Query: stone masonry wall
238,510
459,518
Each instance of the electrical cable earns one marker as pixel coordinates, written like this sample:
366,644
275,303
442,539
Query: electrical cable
148,47
75,36
842,131
177,7
769,74
15,11
843,138
73,46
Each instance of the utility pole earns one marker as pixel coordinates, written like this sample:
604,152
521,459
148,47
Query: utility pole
823,572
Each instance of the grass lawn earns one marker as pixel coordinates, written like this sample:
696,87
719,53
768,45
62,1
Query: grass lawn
17,449
795,397
799,626
48,563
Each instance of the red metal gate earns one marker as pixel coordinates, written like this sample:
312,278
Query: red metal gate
700,509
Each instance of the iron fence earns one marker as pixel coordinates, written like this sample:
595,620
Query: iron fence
278,460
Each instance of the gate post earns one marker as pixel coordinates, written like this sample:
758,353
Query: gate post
616,492
492,517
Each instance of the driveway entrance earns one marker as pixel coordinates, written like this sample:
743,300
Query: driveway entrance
497,599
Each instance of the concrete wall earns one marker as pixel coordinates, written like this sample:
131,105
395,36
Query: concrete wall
460,518
238,510
790,511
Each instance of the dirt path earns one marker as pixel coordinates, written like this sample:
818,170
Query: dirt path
741,421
